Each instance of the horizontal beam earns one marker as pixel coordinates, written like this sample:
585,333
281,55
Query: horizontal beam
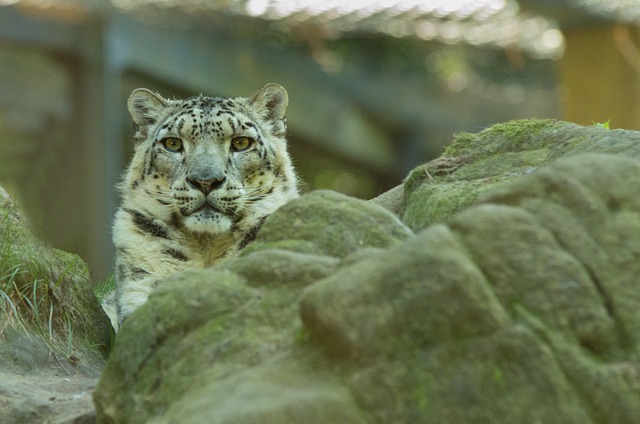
18,27
218,64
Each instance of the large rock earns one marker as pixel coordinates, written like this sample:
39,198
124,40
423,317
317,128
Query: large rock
53,332
44,284
476,163
329,223
520,311
235,329
520,304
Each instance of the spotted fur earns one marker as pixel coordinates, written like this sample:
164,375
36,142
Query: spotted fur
193,194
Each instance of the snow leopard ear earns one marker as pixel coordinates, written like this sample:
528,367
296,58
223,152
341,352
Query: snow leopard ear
271,102
145,107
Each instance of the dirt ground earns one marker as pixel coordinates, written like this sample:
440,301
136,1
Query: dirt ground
39,387
46,397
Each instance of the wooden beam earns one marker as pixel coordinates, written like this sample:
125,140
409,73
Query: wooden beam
219,64
17,27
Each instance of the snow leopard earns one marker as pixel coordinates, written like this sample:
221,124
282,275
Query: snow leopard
205,173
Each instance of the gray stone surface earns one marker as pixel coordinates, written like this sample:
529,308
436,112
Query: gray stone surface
500,286
516,301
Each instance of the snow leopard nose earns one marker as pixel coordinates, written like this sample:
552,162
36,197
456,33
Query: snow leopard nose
208,185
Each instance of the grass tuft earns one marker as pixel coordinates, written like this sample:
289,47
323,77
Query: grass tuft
605,124
102,290
27,299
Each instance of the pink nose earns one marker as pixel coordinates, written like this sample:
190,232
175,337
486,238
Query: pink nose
206,186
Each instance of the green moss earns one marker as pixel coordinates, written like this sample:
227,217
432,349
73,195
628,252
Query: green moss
508,164
281,267
520,130
510,136
461,144
476,163
302,225
46,291
437,203
229,326
522,308
300,246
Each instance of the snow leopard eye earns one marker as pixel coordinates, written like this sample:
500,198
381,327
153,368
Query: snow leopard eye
240,144
172,144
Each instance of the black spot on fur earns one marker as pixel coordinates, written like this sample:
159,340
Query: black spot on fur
147,166
251,235
138,273
232,124
176,220
147,226
121,273
176,254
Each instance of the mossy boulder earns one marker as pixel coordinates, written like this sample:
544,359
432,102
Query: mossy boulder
43,285
505,315
332,224
476,163
522,305
54,335
236,328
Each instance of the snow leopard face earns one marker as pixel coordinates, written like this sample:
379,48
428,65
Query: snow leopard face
210,164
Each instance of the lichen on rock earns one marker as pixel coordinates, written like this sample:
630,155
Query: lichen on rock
515,300
51,325
242,327
332,224
476,163
40,284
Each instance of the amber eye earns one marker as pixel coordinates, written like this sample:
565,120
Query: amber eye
172,144
240,144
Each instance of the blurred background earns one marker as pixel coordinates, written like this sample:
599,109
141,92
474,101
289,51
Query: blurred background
376,87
